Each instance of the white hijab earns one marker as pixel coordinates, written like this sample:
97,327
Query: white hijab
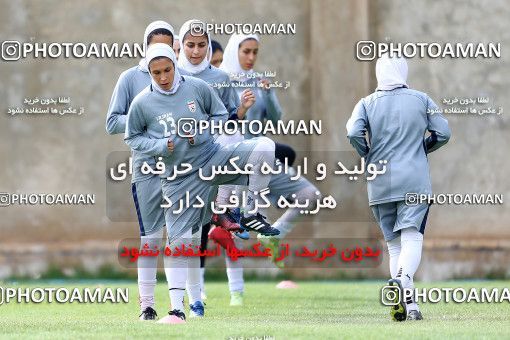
163,50
183,62
230,62
391,73
151,28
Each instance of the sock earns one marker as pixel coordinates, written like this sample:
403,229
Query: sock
286,222
224,139
193,279
394,249
250,205
235,279
177,298
235,272
262,152
146,292
225,191
409,260
147,268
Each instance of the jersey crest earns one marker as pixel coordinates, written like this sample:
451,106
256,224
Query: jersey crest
191,106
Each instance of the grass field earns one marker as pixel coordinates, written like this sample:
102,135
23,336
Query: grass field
324,310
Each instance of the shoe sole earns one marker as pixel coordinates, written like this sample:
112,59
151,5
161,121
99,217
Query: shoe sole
398,312
232,226
274,252
240,235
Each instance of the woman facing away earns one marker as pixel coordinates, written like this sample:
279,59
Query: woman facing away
217,53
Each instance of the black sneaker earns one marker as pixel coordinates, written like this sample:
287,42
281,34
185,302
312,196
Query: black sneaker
398,311
148,314
258,224
226,221
414,315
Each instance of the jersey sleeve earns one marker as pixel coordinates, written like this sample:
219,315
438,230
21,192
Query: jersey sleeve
137,138
118,109
273,108
230,100
213,107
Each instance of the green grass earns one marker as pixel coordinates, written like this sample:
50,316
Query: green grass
325,310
